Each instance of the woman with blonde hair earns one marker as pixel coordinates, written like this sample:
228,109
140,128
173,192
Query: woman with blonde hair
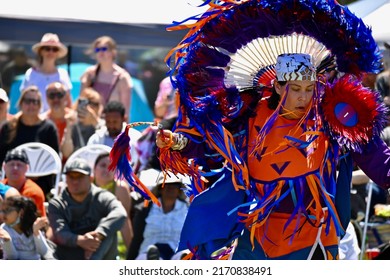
29,126
49,50
108,78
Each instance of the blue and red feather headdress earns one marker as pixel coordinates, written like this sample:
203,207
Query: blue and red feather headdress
233,46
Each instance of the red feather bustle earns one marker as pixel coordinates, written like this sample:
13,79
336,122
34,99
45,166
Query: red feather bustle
357,103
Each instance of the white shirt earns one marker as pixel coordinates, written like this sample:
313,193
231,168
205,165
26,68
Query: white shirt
101,136
42,80
349,248
164,227
22,247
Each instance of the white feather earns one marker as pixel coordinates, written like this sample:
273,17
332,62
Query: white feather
263,52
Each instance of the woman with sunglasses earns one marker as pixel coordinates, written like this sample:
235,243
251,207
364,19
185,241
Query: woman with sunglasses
29,126
108,78
49,50
21,233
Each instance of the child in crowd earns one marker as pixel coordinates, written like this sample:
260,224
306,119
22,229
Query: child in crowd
20,234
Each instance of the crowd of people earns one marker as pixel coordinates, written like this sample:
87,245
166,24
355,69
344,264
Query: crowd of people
84,220
267,154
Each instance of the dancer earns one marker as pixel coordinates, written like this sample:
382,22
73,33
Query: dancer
262,130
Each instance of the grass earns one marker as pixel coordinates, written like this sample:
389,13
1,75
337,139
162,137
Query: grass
121,247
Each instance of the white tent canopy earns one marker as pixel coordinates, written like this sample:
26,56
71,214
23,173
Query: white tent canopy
130,22
376,14
114,11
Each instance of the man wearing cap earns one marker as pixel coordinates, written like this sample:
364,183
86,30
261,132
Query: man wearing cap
16,165
4,108
84,218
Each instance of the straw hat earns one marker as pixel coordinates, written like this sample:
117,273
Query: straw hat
52,40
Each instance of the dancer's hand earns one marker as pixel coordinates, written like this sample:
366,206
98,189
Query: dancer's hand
164,138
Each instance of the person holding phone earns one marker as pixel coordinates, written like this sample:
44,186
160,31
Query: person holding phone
89,110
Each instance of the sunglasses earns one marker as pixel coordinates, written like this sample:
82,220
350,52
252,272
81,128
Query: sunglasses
2,101
8,210
31,101
102,49
48,49
55,94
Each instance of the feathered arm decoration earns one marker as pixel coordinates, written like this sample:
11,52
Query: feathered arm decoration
120,158
353,113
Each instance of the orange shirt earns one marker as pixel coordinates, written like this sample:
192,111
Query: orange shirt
32,190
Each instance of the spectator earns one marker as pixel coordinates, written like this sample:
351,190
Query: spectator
16,164
18,65
63,117
115,123
5,192
157,229
166,105
382,83
166,111
49,50
153,70
88,108
104,178
29,126
84,218
22,231
109,79
349,248
4,107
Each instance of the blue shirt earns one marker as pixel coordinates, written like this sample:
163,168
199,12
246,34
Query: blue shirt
3,189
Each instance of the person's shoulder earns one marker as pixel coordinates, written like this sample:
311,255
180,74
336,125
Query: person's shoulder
30,187
100,192
3,187
90,70
62,71
120,70
59,200
31,70
385,75
123,74
31,184
11,192
48,123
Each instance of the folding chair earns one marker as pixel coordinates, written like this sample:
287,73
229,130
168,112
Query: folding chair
89,153
374,226
44,160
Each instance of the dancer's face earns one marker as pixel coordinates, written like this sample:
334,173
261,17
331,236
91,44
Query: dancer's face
298,98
